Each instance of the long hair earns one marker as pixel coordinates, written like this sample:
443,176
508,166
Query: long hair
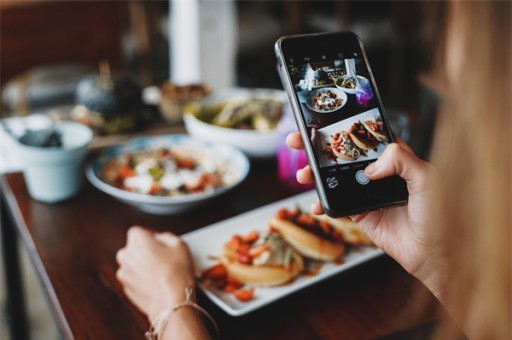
471,209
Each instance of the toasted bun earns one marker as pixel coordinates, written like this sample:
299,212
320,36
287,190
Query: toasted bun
260,275
306,243
351,232
342,155
360,143
379,134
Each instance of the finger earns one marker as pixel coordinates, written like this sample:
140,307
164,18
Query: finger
137,233
396,160
358,217
305,175
168,238
294,141
316,208
401,142
121,256
121,276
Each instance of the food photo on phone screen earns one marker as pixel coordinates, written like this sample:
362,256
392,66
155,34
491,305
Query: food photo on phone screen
344,122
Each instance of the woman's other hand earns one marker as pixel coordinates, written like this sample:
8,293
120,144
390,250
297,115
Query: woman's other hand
154,269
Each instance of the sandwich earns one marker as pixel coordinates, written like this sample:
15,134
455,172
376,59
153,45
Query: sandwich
344,148
362,137
310,237
261,261
352,234
376,129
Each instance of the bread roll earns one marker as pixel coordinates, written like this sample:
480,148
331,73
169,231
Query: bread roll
265,275
307,243
351,232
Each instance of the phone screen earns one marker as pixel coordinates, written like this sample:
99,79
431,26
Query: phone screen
342,115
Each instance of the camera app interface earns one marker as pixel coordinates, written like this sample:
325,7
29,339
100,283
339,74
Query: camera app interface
341,112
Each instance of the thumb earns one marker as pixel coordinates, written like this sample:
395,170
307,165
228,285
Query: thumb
167,238
397,160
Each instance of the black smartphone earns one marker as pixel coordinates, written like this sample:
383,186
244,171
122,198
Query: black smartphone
341,118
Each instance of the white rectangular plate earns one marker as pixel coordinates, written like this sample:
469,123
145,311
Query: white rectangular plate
207,242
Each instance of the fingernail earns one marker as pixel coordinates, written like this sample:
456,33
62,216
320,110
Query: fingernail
371,169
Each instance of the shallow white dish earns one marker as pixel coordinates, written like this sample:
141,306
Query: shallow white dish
207,242
256,144
237,165
339,93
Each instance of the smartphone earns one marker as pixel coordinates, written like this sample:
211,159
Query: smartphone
341,118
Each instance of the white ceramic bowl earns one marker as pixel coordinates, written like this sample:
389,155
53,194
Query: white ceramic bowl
237,169
256,144
339,93
350,91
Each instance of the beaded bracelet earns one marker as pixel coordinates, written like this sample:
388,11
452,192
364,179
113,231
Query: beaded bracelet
156,330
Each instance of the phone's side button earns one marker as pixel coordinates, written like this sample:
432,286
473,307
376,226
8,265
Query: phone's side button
361,178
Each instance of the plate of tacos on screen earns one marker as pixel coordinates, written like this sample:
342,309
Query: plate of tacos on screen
359,138
258,257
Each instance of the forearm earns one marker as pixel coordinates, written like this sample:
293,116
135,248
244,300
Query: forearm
185,320
185,323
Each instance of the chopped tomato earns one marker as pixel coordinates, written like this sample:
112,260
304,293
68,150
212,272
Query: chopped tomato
244,294
306,220
119,182
166,152
185,163
244,259
229,288
292,213
220,284
272,229
237,244
155,188
282,214
336,235
216,272
210,179
243,248
234,282
126,171
252,237
234,243
325,227
258,250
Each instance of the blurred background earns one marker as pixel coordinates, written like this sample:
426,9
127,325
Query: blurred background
48,46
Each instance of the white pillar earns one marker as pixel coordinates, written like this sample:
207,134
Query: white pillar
203,35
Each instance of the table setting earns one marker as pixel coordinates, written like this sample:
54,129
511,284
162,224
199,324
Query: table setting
211,165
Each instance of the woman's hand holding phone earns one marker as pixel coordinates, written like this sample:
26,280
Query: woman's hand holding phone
341,118
399,231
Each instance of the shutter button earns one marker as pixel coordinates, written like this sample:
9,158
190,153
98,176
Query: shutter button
361,178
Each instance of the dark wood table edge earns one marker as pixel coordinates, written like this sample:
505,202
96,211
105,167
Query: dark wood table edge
19,227
14,309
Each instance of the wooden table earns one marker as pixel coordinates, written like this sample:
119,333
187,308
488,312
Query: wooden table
73,246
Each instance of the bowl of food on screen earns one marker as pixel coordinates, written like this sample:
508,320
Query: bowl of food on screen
326,100
167,174
244,118
347,84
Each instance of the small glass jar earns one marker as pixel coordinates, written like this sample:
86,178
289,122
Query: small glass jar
290,160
